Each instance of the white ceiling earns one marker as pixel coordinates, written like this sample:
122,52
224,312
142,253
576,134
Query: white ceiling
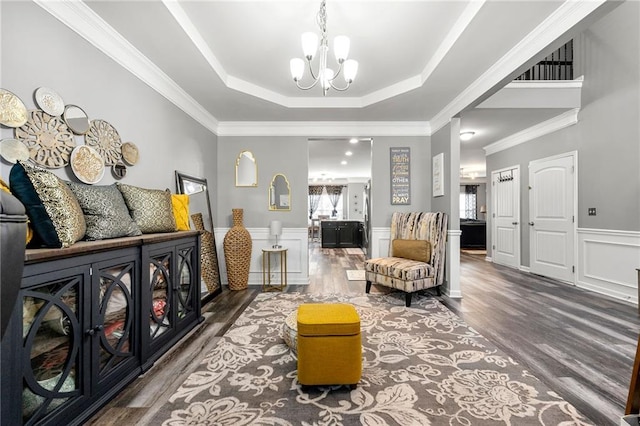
421,62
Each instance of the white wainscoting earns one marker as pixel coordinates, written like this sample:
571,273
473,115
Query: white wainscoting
296,240
380,242
607,262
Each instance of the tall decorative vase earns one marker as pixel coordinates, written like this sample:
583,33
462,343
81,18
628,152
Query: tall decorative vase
208,257
237,252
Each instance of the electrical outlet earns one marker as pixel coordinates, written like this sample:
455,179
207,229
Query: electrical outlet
592,211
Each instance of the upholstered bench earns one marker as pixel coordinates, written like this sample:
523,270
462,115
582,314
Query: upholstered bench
329,344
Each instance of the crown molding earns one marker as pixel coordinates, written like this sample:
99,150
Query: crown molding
324,128
83,20
554,124
569,14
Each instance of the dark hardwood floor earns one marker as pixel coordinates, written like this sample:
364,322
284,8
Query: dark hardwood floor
579,343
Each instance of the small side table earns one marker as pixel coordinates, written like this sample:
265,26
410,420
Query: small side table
266,269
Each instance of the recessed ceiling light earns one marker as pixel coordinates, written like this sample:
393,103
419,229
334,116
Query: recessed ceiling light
465,136
348,153
343,162
353,140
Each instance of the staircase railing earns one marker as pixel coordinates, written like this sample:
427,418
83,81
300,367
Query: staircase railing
557,66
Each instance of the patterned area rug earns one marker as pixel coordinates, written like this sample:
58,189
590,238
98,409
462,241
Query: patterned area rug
355,275
422,366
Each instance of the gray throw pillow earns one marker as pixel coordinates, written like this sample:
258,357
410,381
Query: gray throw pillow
151,209
105,212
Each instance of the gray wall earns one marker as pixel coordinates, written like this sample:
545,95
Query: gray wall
607,135
274,154
440,142
37,50
381,208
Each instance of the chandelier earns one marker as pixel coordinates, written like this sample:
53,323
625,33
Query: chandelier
325,75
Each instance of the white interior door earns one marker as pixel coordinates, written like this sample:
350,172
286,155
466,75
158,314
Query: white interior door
505,246
551,217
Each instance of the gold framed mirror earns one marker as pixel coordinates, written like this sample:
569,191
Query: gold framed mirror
279,193
246,169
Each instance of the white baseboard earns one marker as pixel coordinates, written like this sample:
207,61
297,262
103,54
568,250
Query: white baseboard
524,268
488,259
296,240
607,262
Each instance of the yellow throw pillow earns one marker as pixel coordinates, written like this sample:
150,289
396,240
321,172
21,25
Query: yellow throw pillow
180,204
419,250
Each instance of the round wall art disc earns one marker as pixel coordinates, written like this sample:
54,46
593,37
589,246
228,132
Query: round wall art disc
130,153
87,164
49,101
48,138
13,113
13,150
105,139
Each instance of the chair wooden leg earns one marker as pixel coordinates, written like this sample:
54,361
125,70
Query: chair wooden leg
439,290
368,288
407,299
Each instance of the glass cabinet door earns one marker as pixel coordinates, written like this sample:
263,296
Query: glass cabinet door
185,281
113,327
161,291
51,337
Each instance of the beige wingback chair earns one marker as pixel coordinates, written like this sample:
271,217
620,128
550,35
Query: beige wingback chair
417,247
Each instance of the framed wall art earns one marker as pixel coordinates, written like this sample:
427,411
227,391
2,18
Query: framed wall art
400,159
438,175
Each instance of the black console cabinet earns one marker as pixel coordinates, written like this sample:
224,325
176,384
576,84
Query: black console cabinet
90,318
340,234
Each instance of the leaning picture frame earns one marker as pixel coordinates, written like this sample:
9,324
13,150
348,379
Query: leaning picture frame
438,175
201,219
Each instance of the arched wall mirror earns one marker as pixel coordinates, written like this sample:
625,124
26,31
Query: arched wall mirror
246,169
201,219
279,193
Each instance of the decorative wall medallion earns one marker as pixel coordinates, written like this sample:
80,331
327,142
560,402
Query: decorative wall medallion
105,139
87,164
76,119
130,153
13,150
49,101
49,140
119,170
13,113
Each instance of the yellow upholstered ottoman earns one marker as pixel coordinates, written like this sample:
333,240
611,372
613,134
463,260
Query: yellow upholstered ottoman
329,344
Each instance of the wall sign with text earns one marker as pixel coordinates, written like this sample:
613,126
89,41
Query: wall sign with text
400,159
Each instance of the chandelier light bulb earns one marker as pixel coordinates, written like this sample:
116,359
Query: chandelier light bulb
341,48
326,77
309,44
350,70
297,68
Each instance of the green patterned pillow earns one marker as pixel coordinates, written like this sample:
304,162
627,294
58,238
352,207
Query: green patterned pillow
105,212
52,208
150,208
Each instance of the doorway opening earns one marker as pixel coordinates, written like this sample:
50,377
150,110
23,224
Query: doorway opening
339,180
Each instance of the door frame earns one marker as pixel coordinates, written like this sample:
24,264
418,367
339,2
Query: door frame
494,230
574,156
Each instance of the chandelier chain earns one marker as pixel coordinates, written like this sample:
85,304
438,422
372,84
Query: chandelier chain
321,18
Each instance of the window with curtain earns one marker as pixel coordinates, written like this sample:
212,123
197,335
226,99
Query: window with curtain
468,201
325,205
315,193
334,192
